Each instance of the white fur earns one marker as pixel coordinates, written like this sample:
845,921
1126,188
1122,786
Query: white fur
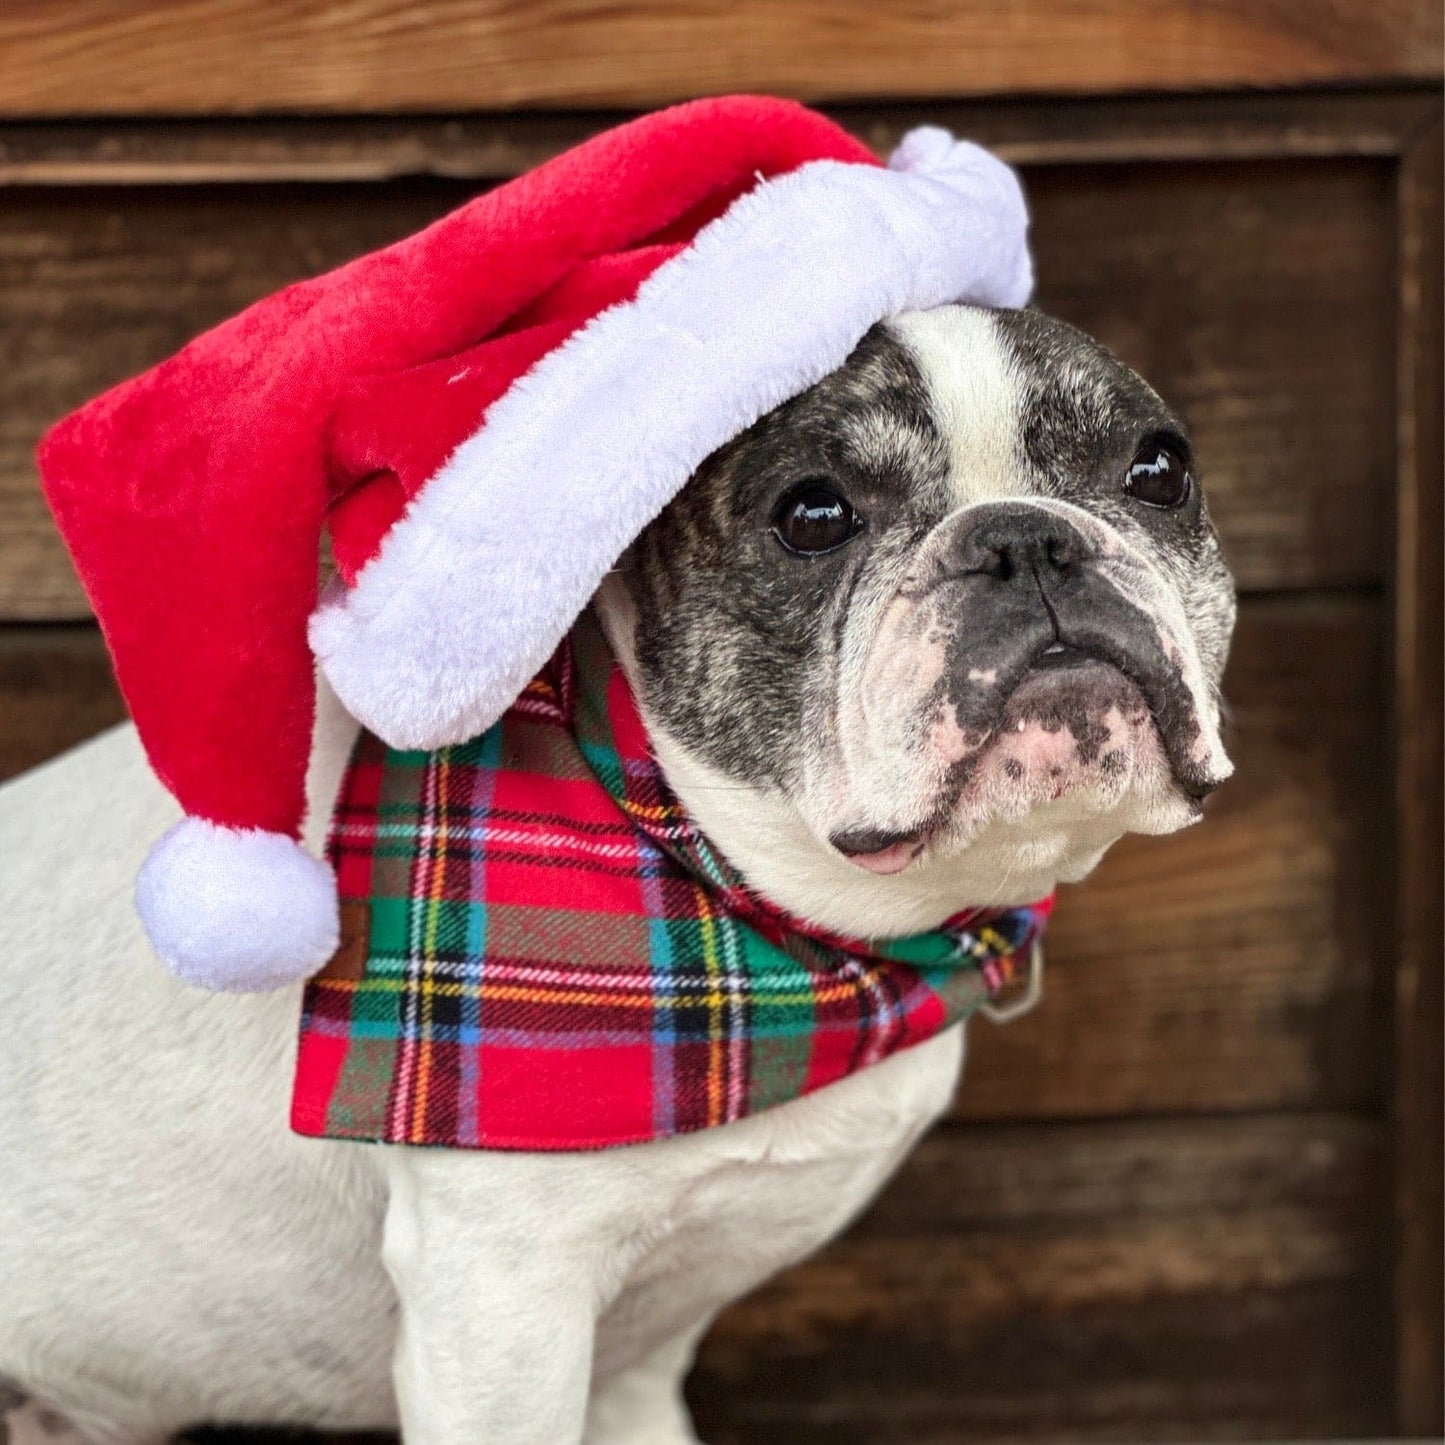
973,394
169,1252
236,909
495,558
766,837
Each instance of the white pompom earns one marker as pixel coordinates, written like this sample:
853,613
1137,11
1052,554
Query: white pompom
237,910
925,148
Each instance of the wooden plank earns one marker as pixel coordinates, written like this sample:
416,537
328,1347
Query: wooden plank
1145,1280
1061,131
1242,964
492,148
350,148
1220,281
181,57
1238,966
1419,647
56,690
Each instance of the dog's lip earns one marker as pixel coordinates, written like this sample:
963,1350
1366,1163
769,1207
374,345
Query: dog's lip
886,861
1063,665
879,852
1060,655
885,853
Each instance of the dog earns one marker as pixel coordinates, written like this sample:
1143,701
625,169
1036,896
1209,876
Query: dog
932,634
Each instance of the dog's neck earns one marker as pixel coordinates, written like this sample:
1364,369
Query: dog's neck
765,838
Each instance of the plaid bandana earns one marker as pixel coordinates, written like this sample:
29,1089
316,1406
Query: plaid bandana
540,951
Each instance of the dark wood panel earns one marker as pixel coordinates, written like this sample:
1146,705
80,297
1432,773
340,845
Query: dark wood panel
187,56
1163,1280
491,147
1219,281
1419,647
1235,966
1241,964
1222,285
56,690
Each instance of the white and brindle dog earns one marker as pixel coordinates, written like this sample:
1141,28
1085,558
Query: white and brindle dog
933,634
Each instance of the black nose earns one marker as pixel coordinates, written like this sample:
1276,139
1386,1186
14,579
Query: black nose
1013,543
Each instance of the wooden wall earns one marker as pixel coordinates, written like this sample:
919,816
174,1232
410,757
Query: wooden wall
186,57
1191,1197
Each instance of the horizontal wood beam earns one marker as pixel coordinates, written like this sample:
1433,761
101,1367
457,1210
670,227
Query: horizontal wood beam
194,57
1062,131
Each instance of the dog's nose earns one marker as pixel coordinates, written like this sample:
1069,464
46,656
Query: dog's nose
1011,543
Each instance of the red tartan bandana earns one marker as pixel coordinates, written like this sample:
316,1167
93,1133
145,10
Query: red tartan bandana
541,952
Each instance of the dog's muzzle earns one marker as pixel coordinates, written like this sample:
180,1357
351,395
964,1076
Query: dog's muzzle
1031,597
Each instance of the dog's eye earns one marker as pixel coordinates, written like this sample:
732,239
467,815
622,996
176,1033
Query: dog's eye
1159,476
813,519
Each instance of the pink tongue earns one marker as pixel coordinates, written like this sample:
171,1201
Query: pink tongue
892,859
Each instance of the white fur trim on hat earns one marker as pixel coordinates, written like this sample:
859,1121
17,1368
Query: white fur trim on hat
239,910
502,549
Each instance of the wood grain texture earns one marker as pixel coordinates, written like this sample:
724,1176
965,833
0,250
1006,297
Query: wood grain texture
1145,1280
1237,966
1419,646
1219,281
1267,126
175,57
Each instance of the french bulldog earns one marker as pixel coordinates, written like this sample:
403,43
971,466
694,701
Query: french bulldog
933,634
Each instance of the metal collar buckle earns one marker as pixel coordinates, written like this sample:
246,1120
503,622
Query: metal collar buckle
1024,1002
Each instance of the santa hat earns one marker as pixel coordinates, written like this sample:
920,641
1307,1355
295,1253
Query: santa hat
483,416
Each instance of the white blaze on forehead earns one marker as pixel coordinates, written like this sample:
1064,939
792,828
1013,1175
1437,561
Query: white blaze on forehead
974,397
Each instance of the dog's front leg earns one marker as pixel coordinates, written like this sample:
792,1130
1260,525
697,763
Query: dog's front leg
498,1269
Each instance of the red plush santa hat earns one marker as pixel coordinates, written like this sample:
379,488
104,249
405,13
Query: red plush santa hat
483,416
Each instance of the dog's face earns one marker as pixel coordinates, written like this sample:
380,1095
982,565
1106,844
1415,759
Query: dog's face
940,629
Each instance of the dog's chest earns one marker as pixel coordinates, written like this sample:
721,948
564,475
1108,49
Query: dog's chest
730,1206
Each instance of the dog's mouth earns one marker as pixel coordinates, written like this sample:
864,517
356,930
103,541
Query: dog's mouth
1069,664
881,851
1060,655
1080,706
1070,688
